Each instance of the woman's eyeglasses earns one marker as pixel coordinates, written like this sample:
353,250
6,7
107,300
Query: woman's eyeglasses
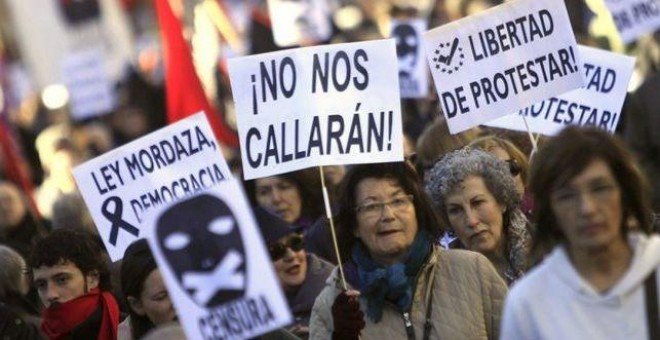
278,250
514,168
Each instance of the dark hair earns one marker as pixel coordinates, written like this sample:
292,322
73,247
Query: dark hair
81,248
308,183
405,176
566,156
137,264
487,143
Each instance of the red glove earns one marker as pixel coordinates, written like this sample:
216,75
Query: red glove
347,317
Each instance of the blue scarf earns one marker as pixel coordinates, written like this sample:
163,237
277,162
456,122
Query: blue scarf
392,283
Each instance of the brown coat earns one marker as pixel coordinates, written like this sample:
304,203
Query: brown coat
466,302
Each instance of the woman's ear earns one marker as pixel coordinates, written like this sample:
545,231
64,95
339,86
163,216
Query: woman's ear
136,305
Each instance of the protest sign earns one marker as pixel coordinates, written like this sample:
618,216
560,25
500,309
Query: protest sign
90,88
299,22
413,73
501,60
598,103
324,105
166,165
634,18
215,266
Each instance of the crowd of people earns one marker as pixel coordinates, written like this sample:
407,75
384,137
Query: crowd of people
477,235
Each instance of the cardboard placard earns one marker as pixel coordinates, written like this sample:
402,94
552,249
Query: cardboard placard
598,103
299,22
163,166
413,72
634,18
324,105
501,60
215,265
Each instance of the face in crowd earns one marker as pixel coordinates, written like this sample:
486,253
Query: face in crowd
154,301
588,209
62,282
475,215
12,206
290,260
280,196
386,219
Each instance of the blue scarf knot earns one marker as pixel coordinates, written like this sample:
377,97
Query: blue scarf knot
392,283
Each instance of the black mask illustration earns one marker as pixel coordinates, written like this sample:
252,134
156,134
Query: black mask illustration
201,240
406,48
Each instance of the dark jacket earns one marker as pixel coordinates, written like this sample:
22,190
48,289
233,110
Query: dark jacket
18,319
302,301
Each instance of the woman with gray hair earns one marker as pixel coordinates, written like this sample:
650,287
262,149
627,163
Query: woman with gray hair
476,196
18,318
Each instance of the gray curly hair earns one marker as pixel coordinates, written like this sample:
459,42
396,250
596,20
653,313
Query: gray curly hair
448,173
456,166
11,275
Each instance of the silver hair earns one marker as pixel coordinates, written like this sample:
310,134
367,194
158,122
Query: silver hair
448,173
11,275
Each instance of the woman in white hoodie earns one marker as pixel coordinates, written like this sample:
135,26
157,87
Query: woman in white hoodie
599,280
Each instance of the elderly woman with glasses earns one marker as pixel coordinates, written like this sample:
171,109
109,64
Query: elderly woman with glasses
476,196
399,284
302,275
600,279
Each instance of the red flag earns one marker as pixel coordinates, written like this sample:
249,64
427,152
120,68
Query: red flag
185,95
12,160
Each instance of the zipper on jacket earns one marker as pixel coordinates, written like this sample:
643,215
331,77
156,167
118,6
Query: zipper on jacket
409,326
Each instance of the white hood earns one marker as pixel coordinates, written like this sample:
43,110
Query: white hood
646,259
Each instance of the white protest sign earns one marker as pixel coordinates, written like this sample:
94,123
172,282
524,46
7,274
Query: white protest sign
215,265
634,18
323,105
413,73
90,88
299,22
501,60
598,103
166,165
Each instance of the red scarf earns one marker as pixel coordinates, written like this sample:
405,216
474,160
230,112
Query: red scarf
60,320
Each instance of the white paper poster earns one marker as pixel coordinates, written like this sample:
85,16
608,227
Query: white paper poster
90,87
215,265
634,18
413,72
323,105
598,103
501,60
299,22
170,164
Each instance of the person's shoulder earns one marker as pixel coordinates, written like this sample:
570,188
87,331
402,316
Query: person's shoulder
458,257
534,283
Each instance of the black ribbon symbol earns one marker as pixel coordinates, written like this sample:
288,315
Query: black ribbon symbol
115,218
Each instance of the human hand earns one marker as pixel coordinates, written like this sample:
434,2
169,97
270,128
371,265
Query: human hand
347,317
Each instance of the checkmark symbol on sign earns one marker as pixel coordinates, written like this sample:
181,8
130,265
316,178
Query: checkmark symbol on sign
447,59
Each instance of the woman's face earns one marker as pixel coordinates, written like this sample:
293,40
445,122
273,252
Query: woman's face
291,268
517,179
386,219
155,302
588,209
476,216
12,208
279,196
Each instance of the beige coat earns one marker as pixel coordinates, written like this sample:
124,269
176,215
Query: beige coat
466,302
